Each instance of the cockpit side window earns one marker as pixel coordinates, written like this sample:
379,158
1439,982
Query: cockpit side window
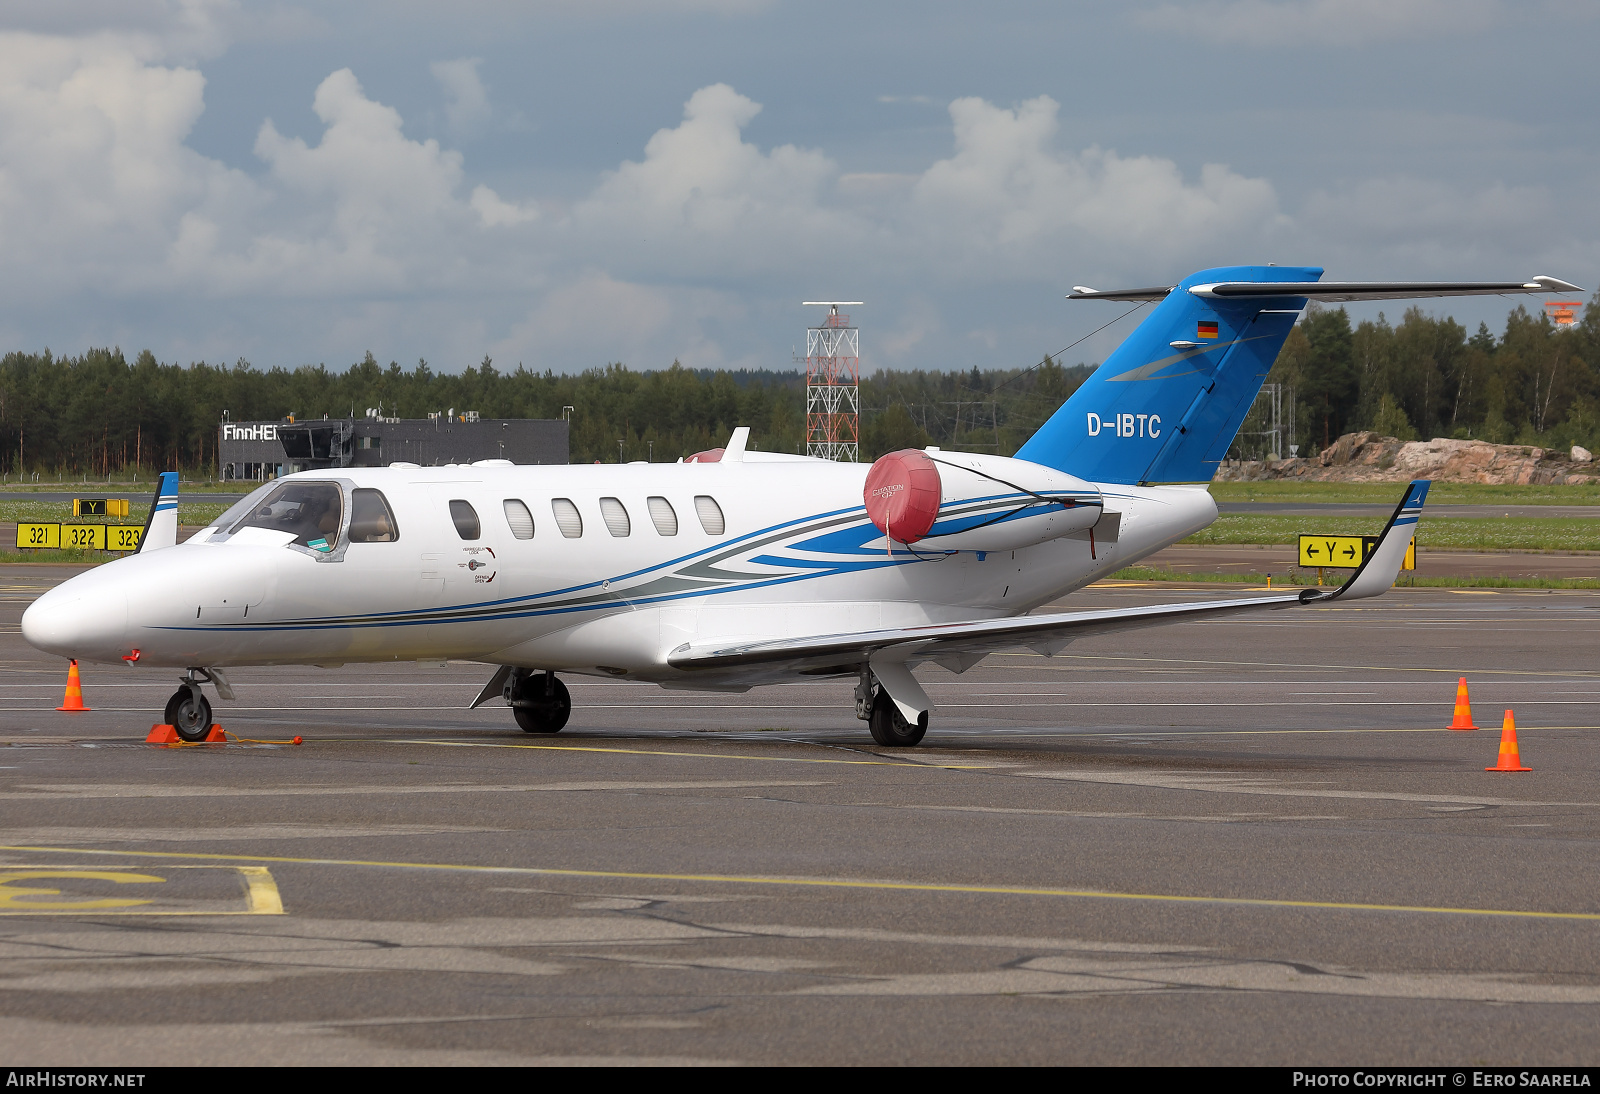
466,519
311,511
371,520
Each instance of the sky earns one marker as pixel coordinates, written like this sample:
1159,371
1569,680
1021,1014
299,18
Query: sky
566,183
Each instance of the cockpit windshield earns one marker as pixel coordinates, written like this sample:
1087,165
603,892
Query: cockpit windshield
247,504
309,510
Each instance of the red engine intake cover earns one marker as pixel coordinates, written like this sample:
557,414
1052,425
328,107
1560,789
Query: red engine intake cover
902,495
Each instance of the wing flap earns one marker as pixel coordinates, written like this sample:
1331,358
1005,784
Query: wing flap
963,640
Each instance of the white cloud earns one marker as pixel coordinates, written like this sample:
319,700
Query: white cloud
186,29
95,176
702,186
700,248
501,12
1009,194
1319,22
466,105
1439,229
495,212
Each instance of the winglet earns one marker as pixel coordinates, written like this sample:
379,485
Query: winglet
161,527
734,453
1377,572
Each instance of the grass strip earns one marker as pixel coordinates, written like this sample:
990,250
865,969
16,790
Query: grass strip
57,512
1288,577
1388,493
1470,533
31,556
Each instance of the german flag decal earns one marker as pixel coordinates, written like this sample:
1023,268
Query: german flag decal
1208,329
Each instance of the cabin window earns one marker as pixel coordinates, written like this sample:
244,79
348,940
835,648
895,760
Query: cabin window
466,519
663,516
371,520
311,511
710,514
616,517
567,517
518,517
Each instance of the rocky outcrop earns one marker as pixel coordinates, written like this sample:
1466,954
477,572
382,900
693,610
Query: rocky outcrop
1367,457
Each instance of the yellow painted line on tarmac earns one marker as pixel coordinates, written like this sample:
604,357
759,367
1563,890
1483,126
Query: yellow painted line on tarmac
694,755
849,883
261,891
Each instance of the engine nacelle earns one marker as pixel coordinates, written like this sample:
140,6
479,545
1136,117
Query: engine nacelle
960,501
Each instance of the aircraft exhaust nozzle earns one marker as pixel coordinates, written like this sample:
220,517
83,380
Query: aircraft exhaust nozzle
960,501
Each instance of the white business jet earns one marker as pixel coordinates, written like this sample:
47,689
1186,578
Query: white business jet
733,568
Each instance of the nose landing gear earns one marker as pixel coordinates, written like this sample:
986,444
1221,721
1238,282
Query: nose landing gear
189,712
539,702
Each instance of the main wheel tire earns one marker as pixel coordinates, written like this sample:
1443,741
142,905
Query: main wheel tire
890,728
189,712
537,712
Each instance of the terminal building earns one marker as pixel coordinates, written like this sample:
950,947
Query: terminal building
257,451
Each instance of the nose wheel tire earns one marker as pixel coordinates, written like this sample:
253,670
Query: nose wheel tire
890,728
541,703
189,712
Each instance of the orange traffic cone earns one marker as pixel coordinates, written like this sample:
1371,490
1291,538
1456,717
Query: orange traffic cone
1510,759
73,700
1463,718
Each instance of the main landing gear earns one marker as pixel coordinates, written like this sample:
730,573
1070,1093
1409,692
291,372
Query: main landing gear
889,727
539,701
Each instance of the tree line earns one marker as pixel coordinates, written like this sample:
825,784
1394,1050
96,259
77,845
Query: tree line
1536,383
99,414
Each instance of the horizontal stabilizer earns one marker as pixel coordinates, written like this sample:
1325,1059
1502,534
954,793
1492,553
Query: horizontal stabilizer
1336,291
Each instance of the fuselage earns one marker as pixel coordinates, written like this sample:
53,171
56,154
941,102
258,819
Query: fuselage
589,569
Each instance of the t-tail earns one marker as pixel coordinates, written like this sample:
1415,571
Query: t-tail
1166,405
161,526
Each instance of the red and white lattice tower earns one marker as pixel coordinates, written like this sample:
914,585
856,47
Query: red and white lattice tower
833,385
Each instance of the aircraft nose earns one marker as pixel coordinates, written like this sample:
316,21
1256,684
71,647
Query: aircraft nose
72,624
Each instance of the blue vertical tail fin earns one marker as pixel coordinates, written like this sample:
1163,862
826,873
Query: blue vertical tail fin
161,526
1165,406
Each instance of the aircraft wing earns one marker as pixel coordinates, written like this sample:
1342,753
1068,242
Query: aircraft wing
962,644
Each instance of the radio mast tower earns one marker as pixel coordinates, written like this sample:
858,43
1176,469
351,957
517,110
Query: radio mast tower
833,384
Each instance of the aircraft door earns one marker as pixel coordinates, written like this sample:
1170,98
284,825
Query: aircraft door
467,567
